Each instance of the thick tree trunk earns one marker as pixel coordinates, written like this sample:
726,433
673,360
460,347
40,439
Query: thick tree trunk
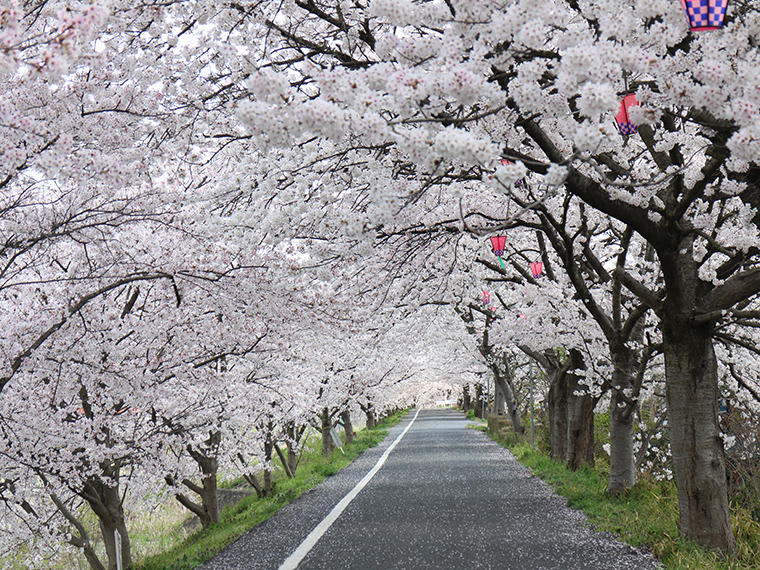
623,471
466,402
571,416
210,496
505,387
557,403
109,527
328,446
105,502
691,380
206,458
294,437
348,427
580,424
696,445
499,405
479,404
369,412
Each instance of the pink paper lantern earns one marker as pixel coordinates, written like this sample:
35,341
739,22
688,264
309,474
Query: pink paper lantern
626,126
537,269
499,244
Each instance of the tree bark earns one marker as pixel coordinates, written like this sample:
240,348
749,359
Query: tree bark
294,437
504,385
210,496
80,540
697,448
284,461
369,412
479,404
206,458
571,416
328,446
623,471
268,454
499,406
466,402
557,403
348,427
105,501
580,423
691,381
109,526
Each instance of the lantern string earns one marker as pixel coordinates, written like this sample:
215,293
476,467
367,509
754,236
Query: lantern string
502,264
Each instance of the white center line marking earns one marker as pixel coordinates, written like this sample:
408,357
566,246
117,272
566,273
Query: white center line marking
303,549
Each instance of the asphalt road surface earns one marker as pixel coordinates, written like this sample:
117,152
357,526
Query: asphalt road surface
434,495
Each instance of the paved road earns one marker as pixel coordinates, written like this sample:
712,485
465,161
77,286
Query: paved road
446,498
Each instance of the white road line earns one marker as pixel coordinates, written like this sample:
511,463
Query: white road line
303,549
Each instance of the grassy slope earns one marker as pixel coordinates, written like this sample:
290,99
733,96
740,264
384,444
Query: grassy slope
312,470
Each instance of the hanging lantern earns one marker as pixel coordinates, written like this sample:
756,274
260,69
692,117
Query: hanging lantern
626,126
499,244
705,14
537,269
486,298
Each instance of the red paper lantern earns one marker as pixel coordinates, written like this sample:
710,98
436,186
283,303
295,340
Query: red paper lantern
626,126
705,14
499,244
537,269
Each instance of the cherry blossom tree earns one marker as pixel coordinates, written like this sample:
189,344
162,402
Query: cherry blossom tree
369,139
437,91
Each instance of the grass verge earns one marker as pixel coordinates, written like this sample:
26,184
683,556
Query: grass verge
647,517
313,469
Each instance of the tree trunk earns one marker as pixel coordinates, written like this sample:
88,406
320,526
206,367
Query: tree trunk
696,445
369,412
105,501
210,496
466,402
623,471
580,424
499,401
571,416
504,385
348,427
268,454
479,404
109,526
294,437
691,381
284,461
557,403
328,446
208,463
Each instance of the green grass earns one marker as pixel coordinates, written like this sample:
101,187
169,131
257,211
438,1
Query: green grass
646,517
470,414
236,520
